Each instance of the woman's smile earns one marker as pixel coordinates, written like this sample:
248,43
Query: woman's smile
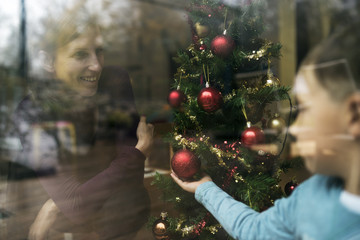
89,79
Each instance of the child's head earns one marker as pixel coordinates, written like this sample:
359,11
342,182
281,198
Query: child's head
327,89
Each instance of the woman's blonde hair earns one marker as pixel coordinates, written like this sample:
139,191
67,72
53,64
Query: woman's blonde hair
67,27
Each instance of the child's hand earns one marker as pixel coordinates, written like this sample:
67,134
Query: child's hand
190,186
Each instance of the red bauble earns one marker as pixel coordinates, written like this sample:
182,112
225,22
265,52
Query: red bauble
210,99
185,164
290,187
202,47
222,46
176,98
252,135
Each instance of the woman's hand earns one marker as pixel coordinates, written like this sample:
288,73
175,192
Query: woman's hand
190,186
44,221
145,134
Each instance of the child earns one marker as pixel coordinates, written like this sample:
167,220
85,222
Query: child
326,206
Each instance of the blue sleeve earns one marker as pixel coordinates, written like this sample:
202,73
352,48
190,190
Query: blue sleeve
241,222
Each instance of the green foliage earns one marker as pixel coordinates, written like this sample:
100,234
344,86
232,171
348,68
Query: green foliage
255,178
290,163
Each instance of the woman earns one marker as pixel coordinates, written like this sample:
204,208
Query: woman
58,124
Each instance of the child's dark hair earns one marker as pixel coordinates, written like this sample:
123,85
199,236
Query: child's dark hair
335,62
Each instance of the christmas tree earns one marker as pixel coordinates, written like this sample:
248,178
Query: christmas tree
223,99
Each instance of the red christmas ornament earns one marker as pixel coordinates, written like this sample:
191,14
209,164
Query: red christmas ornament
252,135
185,164
176,98
222,46
210,99
290,187
202,47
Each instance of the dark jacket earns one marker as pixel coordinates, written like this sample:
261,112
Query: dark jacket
82,152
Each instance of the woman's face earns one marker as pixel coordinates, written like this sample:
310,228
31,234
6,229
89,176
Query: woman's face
80,62
320,127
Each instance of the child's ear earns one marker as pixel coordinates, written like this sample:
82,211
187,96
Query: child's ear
353,108
46,61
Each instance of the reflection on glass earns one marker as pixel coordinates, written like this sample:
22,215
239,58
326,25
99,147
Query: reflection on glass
77,139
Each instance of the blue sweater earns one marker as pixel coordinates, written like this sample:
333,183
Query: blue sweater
312,212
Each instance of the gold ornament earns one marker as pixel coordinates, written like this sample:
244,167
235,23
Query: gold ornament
276,124
202,30
160,227
270,80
